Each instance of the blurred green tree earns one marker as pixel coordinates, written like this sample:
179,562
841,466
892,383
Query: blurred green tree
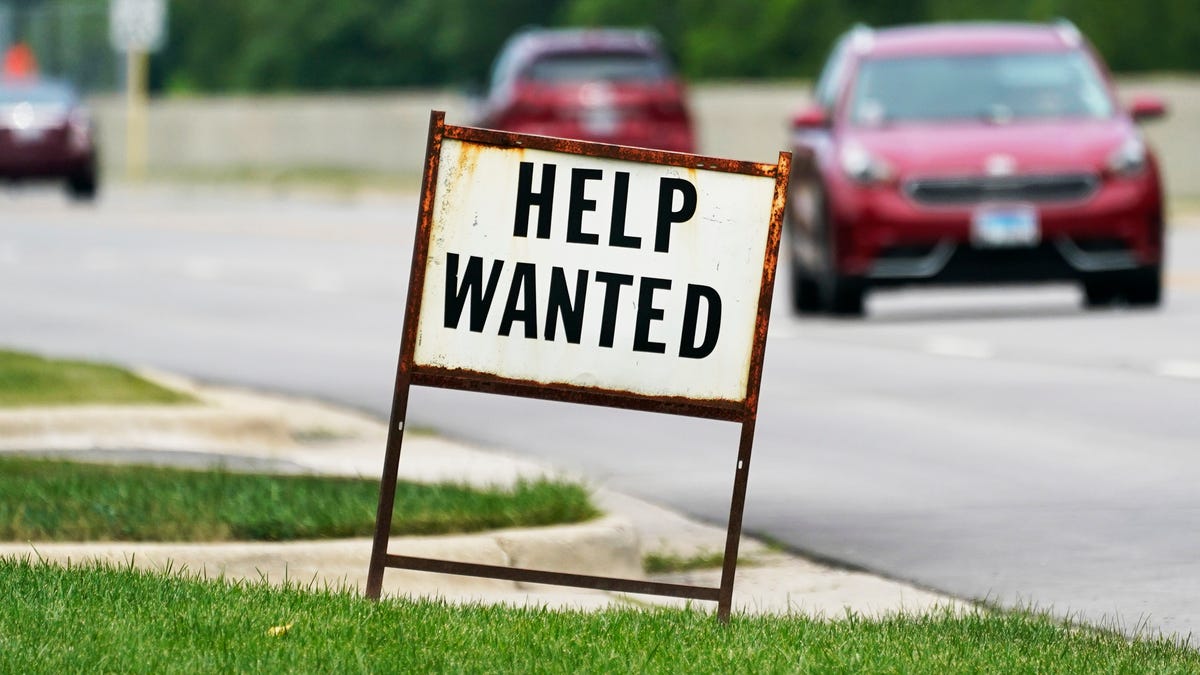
278,45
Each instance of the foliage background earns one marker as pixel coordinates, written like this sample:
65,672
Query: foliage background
314,45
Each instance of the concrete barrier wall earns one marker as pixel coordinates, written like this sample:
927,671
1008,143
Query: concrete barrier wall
386,132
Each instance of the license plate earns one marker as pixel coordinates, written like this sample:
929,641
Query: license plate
1005,226
601,120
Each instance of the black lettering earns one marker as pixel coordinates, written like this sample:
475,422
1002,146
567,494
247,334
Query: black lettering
481,298
688,348
522,290
667,187
612,295
560,305
616,232
647,312
526,198
579,204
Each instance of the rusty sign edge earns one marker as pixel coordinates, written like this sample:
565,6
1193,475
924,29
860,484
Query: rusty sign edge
469,380
569,146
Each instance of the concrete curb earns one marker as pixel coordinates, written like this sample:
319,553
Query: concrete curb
162,427
607,546
236,428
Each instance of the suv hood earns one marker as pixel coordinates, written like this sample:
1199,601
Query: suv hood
976,147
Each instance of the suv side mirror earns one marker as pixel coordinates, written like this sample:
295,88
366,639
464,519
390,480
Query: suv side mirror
811,117
1145,108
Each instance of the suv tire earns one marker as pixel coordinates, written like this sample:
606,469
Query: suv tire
81,186
1099,293
1143,287
843,296
806,293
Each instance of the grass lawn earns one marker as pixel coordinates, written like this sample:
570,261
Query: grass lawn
28,380
665,563
102,619
52,500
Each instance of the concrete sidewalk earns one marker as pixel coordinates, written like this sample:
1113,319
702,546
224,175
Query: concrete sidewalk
244,430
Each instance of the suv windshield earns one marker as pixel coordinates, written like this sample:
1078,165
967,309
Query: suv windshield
592,67
995,88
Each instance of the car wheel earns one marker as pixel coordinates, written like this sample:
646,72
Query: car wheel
82,186
844,296
1143,287
1099,293
839,295
806,294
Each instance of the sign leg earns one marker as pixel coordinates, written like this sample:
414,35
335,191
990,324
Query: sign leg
733,536
387,488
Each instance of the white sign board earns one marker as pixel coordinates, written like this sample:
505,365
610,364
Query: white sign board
627,276
137,25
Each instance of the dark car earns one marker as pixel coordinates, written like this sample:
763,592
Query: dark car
605,85
972,153
46,134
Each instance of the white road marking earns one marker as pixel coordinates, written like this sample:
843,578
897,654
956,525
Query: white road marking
959,347
1179,368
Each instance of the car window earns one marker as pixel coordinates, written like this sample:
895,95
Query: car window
597,66
990,87
37,93
830,80
503,67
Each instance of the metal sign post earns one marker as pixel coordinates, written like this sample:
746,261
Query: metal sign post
588,273
136,27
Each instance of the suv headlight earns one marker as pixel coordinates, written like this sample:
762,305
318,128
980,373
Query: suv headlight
863,167
1130,158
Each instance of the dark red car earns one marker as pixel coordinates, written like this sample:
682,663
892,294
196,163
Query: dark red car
605,85
962,153
45,134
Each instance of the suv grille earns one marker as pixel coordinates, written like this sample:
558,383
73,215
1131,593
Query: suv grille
977,189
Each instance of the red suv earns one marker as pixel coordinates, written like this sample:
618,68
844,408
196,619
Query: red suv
610,86
961,153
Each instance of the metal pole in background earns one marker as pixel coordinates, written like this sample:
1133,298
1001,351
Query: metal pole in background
136,28
136,104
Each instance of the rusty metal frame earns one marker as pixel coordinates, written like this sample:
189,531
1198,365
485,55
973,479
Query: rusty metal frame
408,373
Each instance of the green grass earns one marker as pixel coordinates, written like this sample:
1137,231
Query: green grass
93,618
666,563
28,380
47,500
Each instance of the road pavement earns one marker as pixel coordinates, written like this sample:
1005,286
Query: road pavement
998,444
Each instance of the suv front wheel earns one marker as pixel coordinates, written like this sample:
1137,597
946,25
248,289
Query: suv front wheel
843,296
806,293
840,295
1141,287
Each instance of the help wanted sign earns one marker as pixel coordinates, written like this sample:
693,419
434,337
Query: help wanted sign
553,267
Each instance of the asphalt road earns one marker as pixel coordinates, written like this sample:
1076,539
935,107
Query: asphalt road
997,444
